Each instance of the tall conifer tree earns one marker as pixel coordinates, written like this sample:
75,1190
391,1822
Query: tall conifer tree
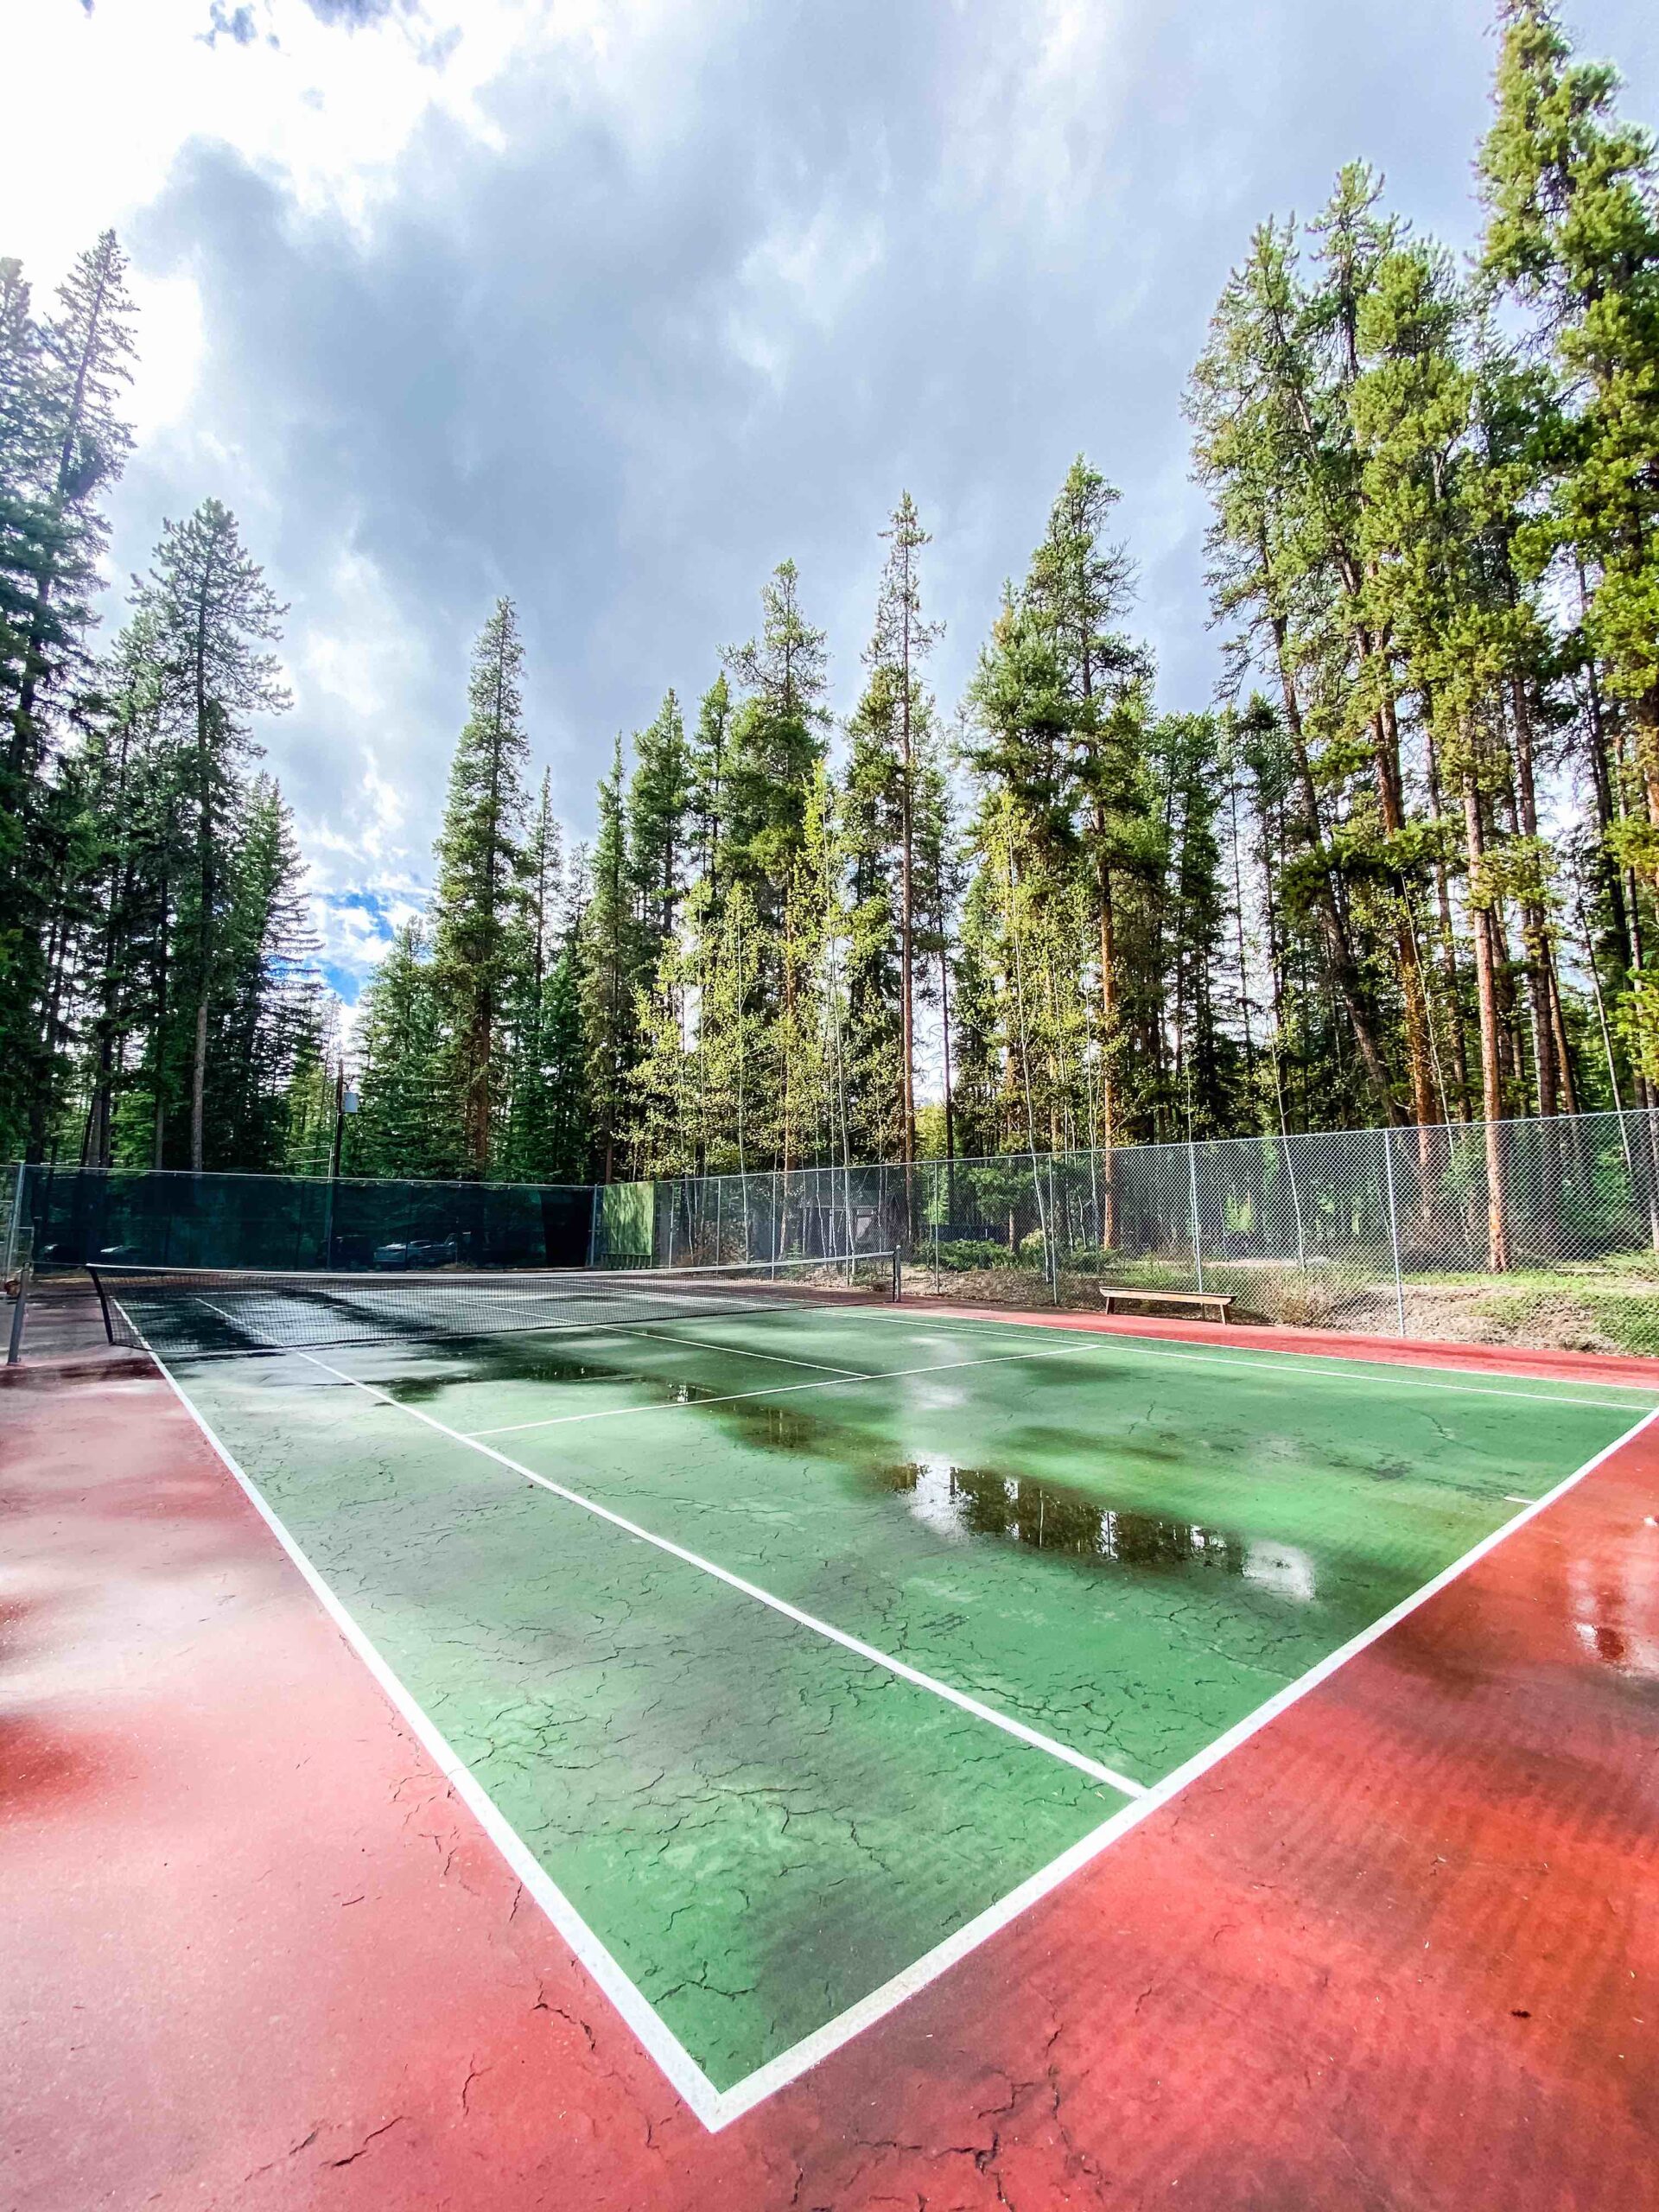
478,930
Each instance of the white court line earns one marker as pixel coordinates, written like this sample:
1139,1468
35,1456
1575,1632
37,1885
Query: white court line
716,2109
1324,1370
1001,1359
791,2064
1319,1367
655,2035
778,1358
1033,1736
734,1397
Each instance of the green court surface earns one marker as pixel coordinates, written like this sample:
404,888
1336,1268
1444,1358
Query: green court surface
851,1623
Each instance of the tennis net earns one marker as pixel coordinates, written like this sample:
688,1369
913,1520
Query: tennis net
192,1311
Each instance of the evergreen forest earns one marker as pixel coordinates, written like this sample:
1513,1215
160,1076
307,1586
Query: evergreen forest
1403,868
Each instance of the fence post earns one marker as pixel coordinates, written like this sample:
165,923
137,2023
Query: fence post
1296,1204
17,1216
1393,1227
1193,1194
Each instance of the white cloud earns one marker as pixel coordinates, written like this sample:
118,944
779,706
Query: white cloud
611,304
169,360
330,112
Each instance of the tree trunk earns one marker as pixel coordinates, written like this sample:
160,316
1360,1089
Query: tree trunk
949,1107
41,1104
1534,922
198,1085
158,1154
1498,1214
1385,740
1344,969
907,993
1558,1027
1108,1047
1448,936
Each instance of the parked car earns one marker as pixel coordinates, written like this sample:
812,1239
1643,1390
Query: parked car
418,1252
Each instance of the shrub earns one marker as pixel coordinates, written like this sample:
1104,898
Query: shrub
963,1254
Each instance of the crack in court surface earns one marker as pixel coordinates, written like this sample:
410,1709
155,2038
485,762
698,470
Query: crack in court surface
764,1826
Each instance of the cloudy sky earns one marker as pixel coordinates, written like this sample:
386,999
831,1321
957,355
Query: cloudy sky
612,304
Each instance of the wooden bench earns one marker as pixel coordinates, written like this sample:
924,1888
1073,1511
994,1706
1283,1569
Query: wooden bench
1137,1295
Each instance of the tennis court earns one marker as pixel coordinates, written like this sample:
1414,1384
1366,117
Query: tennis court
790,1641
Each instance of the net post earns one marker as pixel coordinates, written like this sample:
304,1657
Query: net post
103,1303
898,1279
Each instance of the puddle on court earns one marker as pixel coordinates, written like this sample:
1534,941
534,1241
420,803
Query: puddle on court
502,1364
963,1503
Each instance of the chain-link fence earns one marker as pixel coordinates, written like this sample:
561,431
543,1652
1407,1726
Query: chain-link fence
1368,1230
165,1218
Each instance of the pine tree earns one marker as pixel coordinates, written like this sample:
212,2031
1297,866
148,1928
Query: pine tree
775,741
668,1127
62,445
1269,399
710,752
872,831
804,1043
82,364
733,1043
1573,198
567,1137
891,731
478,929
660,798
268,1021
124,733
405,1124
940,879
1080,586
211,609
614,966
546,1138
